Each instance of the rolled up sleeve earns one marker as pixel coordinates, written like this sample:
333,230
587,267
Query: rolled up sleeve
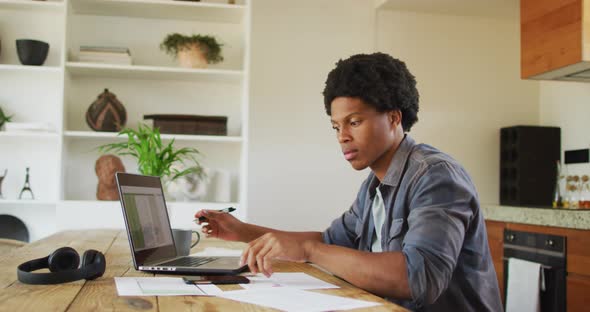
343,230
441,208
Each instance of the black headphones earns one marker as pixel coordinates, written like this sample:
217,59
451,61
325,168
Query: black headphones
63,264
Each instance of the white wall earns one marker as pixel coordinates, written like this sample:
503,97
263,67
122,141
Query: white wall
298,179
467,70
565,105
468,73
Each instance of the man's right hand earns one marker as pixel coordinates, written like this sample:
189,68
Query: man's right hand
221,225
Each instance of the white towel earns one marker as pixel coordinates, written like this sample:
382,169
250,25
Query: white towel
523,291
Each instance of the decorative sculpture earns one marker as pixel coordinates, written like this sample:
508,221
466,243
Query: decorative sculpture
105,168
106,113
190,187
26,192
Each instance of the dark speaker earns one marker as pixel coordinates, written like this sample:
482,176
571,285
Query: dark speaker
528,156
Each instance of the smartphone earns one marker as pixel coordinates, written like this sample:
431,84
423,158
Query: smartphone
216,279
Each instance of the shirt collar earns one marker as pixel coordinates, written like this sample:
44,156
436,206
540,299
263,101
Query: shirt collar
394,172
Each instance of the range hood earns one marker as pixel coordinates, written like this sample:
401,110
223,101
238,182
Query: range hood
575,72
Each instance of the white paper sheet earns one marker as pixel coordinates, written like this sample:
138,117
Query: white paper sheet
292,299
218,252
160,286
210,289
297,280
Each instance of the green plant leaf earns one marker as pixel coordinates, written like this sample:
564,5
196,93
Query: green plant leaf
152,156
4,118
208,44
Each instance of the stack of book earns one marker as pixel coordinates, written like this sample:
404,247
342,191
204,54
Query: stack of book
111,55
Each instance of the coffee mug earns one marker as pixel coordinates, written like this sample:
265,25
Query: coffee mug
183,239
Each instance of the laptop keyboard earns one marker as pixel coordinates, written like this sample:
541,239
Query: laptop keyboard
188,261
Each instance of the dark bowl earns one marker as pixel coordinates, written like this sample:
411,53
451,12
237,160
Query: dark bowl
32,52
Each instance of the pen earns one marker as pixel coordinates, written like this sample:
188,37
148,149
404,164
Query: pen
225,210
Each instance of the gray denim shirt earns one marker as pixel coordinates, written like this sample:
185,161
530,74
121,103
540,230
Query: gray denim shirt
433,218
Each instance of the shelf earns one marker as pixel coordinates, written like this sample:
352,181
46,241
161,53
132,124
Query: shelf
26,202
200,205
28,134
73,214
163,9
30,68
177,137
32,5
96,204
152,72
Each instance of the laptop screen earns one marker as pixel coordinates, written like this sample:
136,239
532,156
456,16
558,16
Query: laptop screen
146,218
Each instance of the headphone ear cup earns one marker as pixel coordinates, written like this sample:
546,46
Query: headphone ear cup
63,259
88,257
93,257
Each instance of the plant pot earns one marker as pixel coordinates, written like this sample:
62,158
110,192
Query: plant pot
192,57
32,52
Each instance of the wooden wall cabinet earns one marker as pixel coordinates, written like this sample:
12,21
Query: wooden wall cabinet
555,39
578,258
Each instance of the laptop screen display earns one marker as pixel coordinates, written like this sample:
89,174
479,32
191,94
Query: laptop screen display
146,216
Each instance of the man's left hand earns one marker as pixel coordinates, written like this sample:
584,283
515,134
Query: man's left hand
281,246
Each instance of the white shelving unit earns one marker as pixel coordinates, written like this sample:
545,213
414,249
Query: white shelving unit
58,93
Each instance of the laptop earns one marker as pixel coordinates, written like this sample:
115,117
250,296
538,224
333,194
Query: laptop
150,234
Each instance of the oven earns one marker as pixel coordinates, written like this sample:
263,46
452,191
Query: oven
550,252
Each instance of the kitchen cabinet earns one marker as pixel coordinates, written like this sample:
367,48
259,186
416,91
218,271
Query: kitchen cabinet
495,241
555,39
578,258
577,292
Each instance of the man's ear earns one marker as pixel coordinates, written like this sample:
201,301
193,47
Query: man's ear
395,117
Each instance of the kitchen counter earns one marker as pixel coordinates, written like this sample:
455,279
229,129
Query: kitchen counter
565,218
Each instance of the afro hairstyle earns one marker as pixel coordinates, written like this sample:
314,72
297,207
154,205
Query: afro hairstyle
378,80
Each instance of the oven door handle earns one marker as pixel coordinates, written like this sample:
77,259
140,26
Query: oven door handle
542,265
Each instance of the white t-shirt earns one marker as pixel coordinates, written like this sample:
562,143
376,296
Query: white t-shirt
378,211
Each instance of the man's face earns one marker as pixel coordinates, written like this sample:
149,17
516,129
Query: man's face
365,135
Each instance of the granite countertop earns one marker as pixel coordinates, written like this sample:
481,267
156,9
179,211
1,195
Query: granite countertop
566,218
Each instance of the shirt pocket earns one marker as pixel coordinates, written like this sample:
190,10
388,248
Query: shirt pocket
396,235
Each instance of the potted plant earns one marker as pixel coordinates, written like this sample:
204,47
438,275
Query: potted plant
153,157
195,51
4,118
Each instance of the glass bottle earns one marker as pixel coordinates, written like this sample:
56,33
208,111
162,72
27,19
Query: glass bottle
564,187
585,192
574,192
557,199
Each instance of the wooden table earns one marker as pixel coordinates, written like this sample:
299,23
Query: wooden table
101,294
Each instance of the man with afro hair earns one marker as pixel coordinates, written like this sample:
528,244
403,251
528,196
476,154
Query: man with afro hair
415,233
